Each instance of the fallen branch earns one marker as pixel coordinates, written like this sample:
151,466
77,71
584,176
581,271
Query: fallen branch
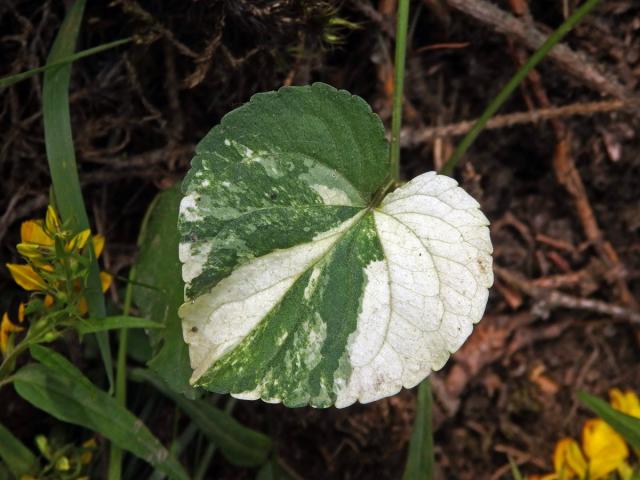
568,176
411,138
554,299
579,66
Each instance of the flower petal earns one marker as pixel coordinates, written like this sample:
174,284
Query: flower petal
48,300
83,307
26,277
105,281
6,327
568,459
78,241
52,221
33,251
31,231
21,312
604,447
626,402
98,244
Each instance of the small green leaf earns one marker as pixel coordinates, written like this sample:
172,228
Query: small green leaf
60,389
158,267
92,325
627,426
18,458
240,445
305,284
419,465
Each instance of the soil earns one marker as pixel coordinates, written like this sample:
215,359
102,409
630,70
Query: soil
138,111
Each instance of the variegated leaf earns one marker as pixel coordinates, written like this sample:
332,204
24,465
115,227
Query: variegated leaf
301,286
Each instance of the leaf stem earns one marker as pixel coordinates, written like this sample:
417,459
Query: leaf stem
398,85
519,76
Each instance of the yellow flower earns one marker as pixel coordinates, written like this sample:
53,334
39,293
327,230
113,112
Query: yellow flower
7,328
38,240
605,448
52,221
87,455
603,452
626,402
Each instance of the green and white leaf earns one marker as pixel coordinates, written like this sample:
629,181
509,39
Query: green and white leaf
300,287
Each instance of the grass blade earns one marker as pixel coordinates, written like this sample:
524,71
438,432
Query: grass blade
18,77
93,325
57,387
240,445
557,35
627,426
62,159
420,461
515,471
19,459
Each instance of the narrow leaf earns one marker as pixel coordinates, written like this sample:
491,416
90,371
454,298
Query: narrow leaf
92,325
18,458
18,77
627,426
240,445
419,464
62,158
60,389
54,361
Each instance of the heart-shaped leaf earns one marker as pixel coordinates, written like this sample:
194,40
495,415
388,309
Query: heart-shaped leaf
301,286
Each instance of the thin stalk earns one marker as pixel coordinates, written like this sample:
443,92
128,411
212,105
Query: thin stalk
6,381
398,85
36,333
18,77
205,462
519,76
115,455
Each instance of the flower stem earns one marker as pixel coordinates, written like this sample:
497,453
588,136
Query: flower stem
519,76
398,85
115,455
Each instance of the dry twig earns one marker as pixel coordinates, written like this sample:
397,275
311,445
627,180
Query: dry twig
550,299
412,138
581,68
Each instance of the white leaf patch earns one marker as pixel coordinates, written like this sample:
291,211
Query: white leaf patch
421,302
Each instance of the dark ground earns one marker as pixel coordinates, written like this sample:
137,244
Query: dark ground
138,111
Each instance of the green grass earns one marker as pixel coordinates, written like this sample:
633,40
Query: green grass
62,159
18,77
